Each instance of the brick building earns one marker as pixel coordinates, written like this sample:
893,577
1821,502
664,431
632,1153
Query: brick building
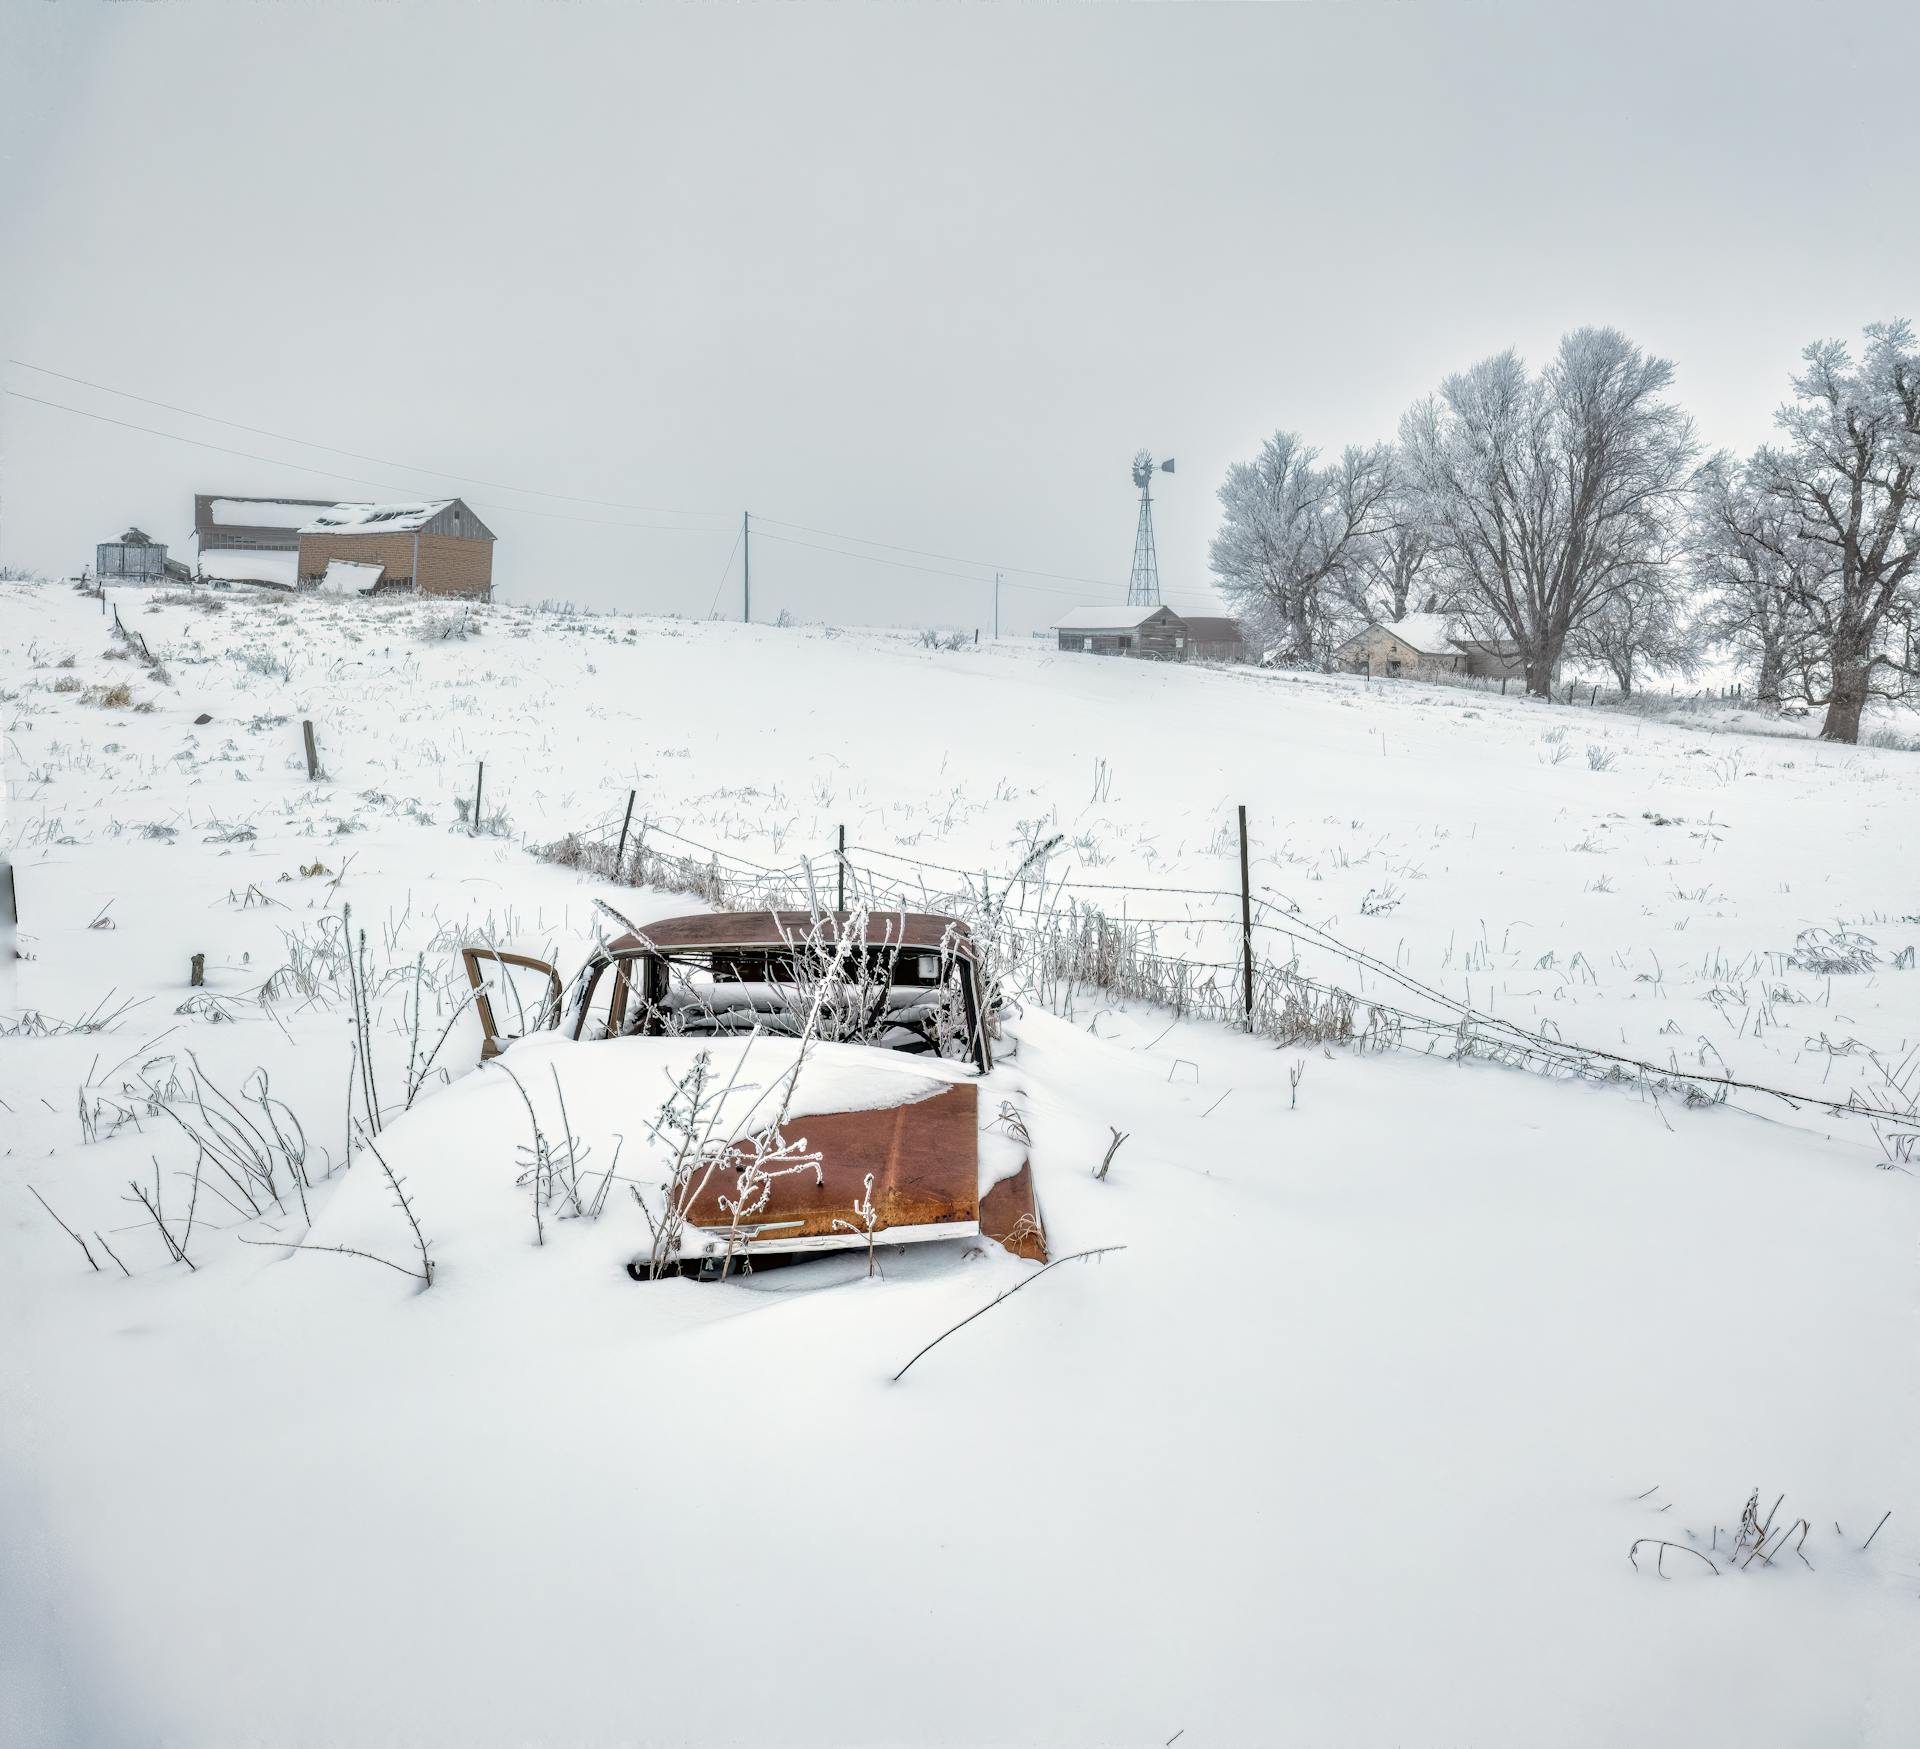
437,546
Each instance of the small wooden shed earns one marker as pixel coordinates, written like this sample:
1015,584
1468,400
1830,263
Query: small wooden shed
135,557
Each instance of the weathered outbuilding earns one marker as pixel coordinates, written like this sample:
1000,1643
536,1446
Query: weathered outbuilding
134,558
1155,632
1212,638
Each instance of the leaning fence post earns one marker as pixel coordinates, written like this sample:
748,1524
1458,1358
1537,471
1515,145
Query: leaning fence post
620,855
479,777
1246,922
840,874
313,752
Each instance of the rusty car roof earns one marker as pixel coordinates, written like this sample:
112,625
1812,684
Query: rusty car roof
915,929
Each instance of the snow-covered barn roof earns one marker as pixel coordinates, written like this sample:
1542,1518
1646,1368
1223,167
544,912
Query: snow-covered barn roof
403,518
1105,619
231,511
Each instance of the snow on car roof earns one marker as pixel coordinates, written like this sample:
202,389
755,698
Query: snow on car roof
924,929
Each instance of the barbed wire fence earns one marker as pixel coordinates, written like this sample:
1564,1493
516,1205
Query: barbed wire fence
1238,959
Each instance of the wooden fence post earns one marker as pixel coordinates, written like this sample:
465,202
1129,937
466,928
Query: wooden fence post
620,855
479,777
313,752
198,975
1246,922
840,874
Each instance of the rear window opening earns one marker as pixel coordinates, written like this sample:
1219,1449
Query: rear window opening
903,999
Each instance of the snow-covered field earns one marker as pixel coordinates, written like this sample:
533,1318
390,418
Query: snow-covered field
1346,1446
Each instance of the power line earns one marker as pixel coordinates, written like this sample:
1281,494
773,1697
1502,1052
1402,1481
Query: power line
352,479
918,552
352,454
725,573
931,571
1019,571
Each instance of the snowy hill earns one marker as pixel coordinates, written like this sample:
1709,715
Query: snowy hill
1348,1444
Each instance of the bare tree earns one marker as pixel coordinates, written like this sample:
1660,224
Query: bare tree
1639,628
1289,548
1744,564
1548,495
1398,573
1848,479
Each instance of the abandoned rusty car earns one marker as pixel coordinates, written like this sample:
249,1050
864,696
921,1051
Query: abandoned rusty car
897,1017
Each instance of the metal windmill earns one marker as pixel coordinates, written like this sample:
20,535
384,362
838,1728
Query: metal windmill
1143,582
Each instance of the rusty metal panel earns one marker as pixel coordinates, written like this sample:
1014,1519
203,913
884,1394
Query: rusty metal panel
1010,1215
924,1157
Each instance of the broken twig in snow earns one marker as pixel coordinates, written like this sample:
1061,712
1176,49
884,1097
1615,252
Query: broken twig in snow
75,1237
1071,1257
1659,1564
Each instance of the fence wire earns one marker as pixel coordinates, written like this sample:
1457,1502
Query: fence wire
1058,942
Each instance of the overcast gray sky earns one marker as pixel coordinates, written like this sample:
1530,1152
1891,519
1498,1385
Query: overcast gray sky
925,276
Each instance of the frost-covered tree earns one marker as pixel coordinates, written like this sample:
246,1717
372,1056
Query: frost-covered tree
1550,494
1288,551
1744,564
1847,479
1641,628
1398,571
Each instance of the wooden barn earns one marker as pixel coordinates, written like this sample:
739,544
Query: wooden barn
436,546
1157,633
251,540
1214,639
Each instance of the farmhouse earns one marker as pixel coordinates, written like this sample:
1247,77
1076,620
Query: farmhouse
436,546
1424,645
251,540
1155,632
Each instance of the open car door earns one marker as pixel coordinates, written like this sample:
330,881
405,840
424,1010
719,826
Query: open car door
515,996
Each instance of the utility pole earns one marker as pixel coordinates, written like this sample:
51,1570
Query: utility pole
746,567
996,607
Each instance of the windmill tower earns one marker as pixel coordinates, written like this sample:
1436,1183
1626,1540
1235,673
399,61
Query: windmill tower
1143,582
